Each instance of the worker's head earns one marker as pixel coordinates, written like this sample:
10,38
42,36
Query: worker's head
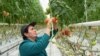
28,31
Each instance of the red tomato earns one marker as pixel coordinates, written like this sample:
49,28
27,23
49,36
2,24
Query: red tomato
5,13
54,20
66,32
46,20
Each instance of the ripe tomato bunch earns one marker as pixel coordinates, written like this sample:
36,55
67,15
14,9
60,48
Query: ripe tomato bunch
53,19
5,13
66,32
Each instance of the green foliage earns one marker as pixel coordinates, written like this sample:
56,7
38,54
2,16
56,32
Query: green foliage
21,11
73,11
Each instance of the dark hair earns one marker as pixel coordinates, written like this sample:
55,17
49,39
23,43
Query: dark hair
24,29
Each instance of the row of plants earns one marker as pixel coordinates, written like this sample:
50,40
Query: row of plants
75,40
78,41
21,11
74,11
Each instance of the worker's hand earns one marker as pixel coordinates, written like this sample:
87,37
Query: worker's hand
48,22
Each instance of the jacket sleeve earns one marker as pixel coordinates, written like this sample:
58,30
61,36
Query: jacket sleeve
38,46
54,33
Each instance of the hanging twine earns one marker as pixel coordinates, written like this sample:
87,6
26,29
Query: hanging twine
85,6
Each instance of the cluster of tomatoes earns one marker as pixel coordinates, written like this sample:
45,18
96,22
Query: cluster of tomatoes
53,19
5,13
65,31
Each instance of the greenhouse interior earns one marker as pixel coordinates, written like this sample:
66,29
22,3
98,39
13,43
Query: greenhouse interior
49,27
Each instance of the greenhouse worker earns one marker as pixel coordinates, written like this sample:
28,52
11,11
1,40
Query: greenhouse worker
33,45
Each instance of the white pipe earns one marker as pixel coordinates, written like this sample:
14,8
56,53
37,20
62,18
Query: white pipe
92,23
